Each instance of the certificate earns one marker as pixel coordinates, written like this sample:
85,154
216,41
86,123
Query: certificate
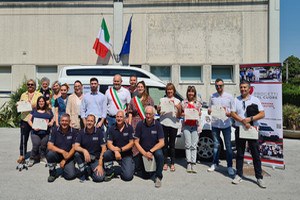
251,133
149,165
218,112
24,106
167,106
191,114
39,123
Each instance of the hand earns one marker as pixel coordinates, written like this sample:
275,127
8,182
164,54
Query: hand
50,123
149,155
62,163
99,125
87,156
118,155
99,170
57,124
65,154
116,149
247,125
209,111
178,106
246,120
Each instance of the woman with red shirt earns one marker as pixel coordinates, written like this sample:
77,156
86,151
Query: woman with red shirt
190,127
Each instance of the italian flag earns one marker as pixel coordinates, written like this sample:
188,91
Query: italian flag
102,43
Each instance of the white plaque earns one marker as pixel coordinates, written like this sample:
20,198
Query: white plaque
149,165
39,123
218,112
191,114
167,106
251,133
24,106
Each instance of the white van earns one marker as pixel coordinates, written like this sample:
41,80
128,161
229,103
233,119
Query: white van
156,89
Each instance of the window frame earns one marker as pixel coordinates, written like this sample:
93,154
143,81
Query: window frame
191,81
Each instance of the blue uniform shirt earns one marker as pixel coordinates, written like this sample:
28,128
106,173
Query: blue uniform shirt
121,139
148,135
63,140
91,142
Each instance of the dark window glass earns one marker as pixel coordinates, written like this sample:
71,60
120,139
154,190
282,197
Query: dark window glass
105,72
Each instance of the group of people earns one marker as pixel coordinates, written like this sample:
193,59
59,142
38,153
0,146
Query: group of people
92,130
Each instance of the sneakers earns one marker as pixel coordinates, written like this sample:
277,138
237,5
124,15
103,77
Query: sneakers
212,168
51,178
31,162
230,171
109,177
157,182
237,179
261,183
189,168
193,169
43,160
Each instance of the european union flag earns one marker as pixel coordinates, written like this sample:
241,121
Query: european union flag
126,44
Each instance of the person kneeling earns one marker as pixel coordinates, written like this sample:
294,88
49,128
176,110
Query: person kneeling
61,150
90,146
149,140
120,143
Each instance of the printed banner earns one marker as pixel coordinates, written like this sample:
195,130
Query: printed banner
266,85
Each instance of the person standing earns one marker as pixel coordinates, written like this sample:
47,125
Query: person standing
94,103
90,146
55,94
239,114
149,140
40,137
191,127
61,103
133,85
61,150
118,98
223,100
120,143
170,123
45,90
73,106
31,96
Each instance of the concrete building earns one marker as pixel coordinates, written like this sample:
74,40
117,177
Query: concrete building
188,42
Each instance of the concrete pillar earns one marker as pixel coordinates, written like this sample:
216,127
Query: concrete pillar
274,30
118,28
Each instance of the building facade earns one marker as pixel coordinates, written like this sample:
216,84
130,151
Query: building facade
184,42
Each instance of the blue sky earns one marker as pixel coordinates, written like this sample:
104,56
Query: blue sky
289,28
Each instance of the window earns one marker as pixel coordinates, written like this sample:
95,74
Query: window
104,72
190,74
47,71
224,72
6,80
162,72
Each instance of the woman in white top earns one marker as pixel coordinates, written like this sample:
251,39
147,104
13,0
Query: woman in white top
170,110
73,106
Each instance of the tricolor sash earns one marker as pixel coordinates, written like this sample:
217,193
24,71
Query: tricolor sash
140,108
116,99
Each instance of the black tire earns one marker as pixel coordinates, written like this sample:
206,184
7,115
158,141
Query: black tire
205,148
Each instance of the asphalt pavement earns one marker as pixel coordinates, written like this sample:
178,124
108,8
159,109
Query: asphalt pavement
32,184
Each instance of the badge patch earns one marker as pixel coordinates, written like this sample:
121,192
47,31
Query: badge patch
153,132
95,138
125,134
69,137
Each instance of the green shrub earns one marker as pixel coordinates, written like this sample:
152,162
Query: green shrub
291,116
291,94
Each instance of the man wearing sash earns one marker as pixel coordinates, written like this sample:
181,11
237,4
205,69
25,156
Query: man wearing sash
118,98
94,103
149,140
224,101
239,114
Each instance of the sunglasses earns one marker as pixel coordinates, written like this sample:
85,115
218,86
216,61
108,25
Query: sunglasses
30,84
191,87
219,86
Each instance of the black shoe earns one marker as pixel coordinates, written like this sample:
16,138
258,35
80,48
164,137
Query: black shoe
109,177
51,179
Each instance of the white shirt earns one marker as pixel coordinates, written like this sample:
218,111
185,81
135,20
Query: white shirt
240,109
169,119
224,100
124,96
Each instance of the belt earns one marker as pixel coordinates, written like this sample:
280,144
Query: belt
112,116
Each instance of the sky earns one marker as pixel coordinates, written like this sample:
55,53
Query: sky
289,28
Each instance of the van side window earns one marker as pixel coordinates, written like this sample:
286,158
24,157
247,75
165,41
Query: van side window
104,72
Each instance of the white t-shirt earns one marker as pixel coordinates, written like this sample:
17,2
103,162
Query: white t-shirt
124,96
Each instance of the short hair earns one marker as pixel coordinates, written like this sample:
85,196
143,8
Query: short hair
45,79
118,75
152,108
78,81
31,80
218,80
91,115
245,82
94,79
65,115
191,88
170,86
56,82
66,85
121,111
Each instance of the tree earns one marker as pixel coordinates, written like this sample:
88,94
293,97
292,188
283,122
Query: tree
293,69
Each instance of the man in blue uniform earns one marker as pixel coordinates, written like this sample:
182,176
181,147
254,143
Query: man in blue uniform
120,143
149,140
90,146
61,150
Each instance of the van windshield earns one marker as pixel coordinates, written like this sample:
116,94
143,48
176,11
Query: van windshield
104,72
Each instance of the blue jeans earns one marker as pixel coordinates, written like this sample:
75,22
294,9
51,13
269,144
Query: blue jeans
127,165
110,121
227,139
191,140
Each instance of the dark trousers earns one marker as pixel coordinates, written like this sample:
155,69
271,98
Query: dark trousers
169,148
127,164
254,148
159,159
25,131
88,168
39,145
53,158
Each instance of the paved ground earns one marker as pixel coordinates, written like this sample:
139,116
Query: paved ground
32,184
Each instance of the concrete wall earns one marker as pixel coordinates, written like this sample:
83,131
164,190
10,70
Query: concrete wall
164,33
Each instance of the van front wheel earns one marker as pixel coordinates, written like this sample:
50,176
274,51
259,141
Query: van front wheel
205,148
